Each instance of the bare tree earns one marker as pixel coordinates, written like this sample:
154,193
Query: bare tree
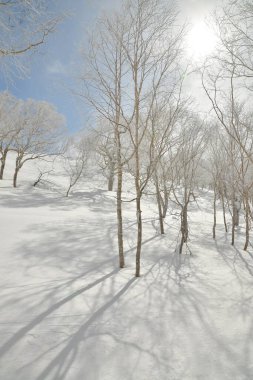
75,160
132,66
245,189
9,126
42,173
217,168
227,76
234,23
104,91
185,169
151,58
162,138
41,127
243,181
24,26
163,188
105,148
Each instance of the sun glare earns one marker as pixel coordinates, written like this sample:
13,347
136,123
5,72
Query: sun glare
201,41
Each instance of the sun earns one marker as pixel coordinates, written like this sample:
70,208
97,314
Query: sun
201,41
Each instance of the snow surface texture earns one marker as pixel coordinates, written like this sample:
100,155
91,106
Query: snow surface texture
67,312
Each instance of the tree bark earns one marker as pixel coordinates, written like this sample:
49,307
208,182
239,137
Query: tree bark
67,193
214,215
18,166
3,161
235,220
224,212
184,227
139,234
165,203
233,229
15,177
119,196
247,222
120,221
236,217
137,171
111,177
158,198
137,184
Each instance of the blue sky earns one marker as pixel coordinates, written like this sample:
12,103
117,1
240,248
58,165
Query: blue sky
55,67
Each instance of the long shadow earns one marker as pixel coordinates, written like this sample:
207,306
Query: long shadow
64,359
247,265
24,330
35,198
191,301
143,242
230,261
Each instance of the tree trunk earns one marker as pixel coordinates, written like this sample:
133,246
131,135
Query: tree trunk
224,212
158,197
184,227
233,229
236,217
67,193
235,220
139,234
119,218
3,161
15,177
165,203
247,221
214,215
137,172
181,245
111,177
138,193
235,214
119,197
38,180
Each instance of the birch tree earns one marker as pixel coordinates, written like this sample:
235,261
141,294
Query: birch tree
152,47
227,81
103,82
41,128
132,66
227,76
105,148
240,174
75,160
161,138
184,170
218,167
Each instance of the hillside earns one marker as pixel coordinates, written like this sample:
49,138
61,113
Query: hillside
67,312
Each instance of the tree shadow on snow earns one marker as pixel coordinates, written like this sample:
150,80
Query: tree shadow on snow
97,200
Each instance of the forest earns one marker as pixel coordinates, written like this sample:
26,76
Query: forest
149,204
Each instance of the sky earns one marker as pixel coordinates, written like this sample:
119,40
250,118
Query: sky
54,69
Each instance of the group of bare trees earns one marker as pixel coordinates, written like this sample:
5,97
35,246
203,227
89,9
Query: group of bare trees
232,181
33,129
227,81
30,128
134,82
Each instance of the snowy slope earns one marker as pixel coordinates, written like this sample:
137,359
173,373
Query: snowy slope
68,313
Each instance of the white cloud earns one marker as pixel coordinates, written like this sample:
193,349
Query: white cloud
56,67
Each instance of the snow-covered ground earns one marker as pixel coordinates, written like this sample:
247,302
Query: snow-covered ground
67,312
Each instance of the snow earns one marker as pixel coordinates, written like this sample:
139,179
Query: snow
67,312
